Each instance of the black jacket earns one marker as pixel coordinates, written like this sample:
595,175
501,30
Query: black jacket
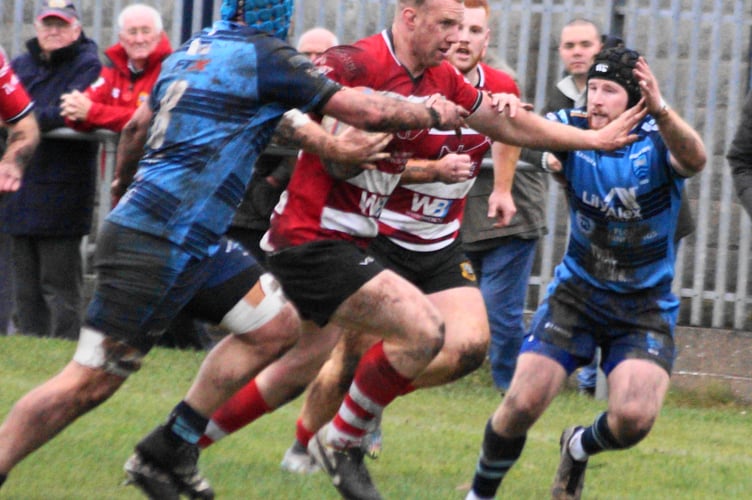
57,190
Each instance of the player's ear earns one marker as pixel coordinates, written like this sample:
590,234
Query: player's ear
408,17
485,45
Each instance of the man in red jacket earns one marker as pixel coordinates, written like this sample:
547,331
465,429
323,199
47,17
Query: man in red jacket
126,81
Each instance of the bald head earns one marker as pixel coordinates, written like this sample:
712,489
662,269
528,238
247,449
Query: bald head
315,41
140,32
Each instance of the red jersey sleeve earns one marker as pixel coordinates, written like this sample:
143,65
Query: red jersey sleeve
346,65
15,103
456,88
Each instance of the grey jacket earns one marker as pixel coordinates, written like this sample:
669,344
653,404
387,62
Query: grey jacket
477,231
739,156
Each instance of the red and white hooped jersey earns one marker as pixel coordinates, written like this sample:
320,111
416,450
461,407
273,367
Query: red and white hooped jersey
426,217
15,103
316,206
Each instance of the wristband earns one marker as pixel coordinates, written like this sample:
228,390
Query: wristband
544,163
435,118
297,118
663,111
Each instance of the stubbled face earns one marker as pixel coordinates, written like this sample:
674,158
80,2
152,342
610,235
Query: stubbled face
578,47
139,36
473,40
436,28
55,33
606,100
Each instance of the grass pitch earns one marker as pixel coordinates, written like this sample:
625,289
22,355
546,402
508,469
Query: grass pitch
699,448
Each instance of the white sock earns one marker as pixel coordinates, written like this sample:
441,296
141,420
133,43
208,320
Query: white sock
575,447
472,496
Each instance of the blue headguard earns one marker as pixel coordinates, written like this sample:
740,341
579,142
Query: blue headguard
272,16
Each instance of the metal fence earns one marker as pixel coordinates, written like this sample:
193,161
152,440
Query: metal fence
699,49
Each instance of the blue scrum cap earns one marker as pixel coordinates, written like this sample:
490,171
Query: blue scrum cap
272,16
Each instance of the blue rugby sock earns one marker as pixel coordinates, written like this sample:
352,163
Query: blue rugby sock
497,456
186,423
598,437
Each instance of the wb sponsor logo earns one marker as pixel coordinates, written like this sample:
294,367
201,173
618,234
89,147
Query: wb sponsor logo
371,204
430,206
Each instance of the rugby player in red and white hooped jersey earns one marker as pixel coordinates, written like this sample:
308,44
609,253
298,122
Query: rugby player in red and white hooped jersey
419,239
23,133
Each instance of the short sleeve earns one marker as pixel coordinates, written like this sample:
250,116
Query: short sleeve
290,78
15,102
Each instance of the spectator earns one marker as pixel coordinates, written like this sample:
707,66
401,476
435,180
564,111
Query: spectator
580,41
740,156
52,210
126,80
132,67
15,115
316,41
272,172
613,286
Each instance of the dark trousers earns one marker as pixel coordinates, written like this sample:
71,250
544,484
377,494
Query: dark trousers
6,283
48,284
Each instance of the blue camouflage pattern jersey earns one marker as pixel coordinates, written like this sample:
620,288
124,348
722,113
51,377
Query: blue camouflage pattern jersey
623,208
216,104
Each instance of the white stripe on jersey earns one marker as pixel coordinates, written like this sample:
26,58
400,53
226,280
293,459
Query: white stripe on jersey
349,223
428,232
375,181
453,191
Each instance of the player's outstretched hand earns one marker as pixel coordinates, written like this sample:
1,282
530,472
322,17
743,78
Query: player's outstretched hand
509,103
617,134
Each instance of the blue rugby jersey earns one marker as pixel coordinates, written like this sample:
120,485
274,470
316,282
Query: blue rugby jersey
216,104
623,209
